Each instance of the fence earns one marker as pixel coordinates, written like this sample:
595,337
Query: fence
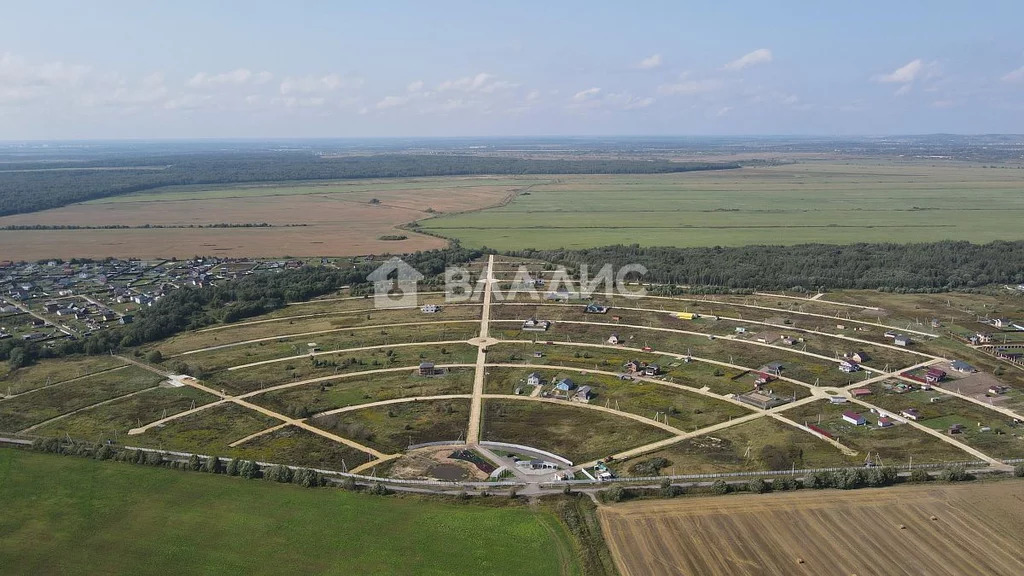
755,474
438,443
555,457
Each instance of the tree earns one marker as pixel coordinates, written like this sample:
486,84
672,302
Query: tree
759,486
720,487
212,465
249,469
155,357
234,467
1018,470
17,359
193,463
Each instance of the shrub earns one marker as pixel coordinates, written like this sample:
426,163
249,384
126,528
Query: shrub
249,469
919,475
193,462
105,452
1018,470
154,458
759,486
155,357
954,473
234,467
720,487
212,465
379,489
651,467
279,473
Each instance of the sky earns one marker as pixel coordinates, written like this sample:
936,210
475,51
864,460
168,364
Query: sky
231,69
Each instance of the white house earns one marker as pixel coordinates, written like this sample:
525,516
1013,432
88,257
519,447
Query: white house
854,418
534,379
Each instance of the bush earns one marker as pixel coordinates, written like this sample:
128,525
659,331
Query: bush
785,484
212,465
1018,470
919,475
193,462
349,483
309,478
155,357
759,486
234,467
379,489
720,487
105,452
954,473
249,469
154,458
279,473
651,467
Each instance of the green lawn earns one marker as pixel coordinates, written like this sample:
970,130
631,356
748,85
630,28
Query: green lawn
76,516
807,202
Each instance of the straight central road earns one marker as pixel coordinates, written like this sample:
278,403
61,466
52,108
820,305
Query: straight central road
475,406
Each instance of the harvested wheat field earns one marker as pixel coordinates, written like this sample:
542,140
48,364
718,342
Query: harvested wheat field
934,530
328,219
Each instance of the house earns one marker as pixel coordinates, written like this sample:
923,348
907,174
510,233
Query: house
838,399
885,422
774,367
534,379
565,385
583,394
762,379
741,330
956,429
859,392
910,414
859,356
430,309
51,307
997,389
981,338
538,354
427,369
934,375
854,418
901,340
126,319
961,366
1001,322
634,365
614,339
595,309
652,370
534,325
848,366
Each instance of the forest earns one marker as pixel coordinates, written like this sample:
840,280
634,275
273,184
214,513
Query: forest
30,187
923,267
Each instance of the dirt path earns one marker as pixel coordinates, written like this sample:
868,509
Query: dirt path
473,433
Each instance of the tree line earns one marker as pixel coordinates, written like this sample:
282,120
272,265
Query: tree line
24,189
922,267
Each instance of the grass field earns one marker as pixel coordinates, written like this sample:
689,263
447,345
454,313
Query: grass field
810,202
935,530
76,516
572,432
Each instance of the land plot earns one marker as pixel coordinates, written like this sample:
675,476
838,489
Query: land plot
298,447
579,434
54,371
395,427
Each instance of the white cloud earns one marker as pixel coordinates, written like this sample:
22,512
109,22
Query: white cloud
690,87
903,90
723,111
759,56
414,86
943,104
235,77
483,82
1014,75
533,96
317,84
650,62
584,95
904,74
391,102
628,101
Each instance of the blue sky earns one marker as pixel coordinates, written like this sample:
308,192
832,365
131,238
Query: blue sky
253,69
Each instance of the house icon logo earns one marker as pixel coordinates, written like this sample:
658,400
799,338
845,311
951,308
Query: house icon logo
394,284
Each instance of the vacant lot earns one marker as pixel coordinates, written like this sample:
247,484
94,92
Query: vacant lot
77,516
950,530
810,202
333,219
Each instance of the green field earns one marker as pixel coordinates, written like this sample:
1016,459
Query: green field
76,516
810,202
